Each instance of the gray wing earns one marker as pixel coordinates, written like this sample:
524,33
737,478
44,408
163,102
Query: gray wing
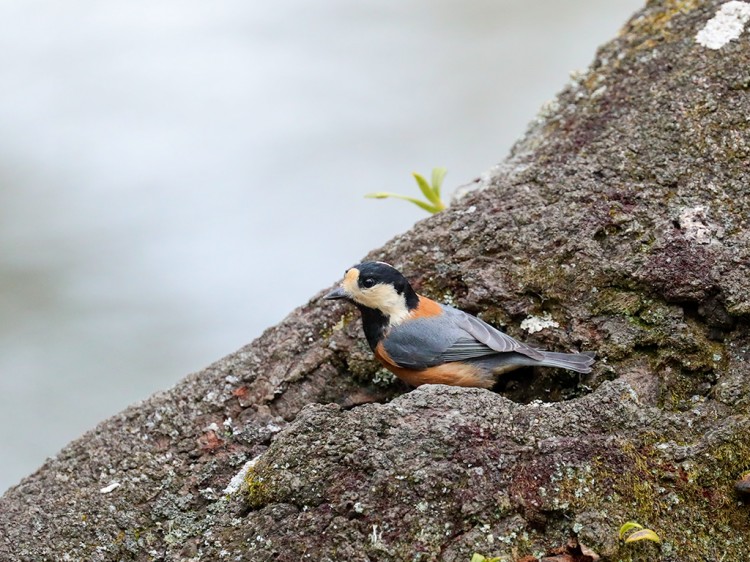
452,336
421,343
490,337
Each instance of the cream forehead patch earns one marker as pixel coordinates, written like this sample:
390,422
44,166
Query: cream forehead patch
350,280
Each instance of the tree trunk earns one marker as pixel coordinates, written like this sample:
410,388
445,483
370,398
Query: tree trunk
622,217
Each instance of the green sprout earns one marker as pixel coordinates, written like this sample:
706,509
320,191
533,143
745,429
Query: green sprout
628,533
479,558
433,204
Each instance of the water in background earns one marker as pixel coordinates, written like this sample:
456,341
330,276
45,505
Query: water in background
175,176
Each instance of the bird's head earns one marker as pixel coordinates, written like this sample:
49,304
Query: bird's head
378,286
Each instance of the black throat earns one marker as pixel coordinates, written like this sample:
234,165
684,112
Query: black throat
375,324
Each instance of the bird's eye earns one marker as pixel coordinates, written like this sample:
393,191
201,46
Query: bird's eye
368,282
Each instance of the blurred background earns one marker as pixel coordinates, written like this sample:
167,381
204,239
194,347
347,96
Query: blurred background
176,176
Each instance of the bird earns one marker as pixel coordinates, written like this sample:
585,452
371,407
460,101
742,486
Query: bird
424,342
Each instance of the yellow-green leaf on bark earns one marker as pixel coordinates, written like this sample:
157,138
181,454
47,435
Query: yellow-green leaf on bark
426,189
643,535
627,527
422,204
438,175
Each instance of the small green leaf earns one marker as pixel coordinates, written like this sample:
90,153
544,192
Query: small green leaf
433,203
479,558
639,534
438,175
643,535
427,190
421,204
627,527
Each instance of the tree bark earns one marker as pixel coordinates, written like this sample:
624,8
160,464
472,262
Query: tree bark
622,217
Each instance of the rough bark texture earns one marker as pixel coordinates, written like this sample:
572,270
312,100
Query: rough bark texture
622,216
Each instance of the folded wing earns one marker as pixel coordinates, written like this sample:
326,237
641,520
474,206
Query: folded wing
451,336
488,336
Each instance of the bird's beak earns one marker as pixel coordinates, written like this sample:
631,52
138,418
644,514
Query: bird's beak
337,293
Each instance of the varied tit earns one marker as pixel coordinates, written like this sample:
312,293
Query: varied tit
424,342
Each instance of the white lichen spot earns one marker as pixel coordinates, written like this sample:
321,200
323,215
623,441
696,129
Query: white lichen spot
728,24
111,487
599,92
694,223
534,324
548,109
229,426
508,539
239,478
272,427
375,537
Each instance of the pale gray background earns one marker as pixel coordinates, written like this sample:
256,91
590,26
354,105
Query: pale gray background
175,176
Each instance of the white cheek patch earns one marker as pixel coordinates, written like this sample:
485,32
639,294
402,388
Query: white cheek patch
398,315
387,300
382,297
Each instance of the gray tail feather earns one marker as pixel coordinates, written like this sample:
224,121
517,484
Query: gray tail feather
579,362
